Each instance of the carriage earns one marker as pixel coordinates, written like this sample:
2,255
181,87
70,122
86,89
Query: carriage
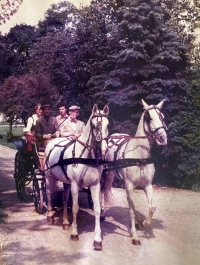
81,162
27,171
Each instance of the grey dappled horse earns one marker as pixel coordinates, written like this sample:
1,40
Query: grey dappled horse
91,144
137,150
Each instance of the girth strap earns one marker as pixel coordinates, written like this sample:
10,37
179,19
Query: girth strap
60,161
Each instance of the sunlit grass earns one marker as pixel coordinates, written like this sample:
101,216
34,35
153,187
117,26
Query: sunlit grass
17,131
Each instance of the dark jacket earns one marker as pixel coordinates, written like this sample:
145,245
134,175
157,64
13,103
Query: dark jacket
43,127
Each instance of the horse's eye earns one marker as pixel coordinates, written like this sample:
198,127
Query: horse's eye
147,116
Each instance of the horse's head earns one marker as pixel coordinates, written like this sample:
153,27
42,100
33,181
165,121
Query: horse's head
99,125
154,122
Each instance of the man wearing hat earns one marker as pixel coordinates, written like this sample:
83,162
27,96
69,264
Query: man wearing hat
72,127
45,126
45,131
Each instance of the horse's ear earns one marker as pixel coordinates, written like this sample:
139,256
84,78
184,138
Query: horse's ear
159,105
95,109
144,104
106,110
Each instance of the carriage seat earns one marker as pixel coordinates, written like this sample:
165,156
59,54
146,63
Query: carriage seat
23,145
27,152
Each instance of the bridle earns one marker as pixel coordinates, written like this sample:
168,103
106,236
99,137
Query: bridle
97,130
98,136
147,119
96,133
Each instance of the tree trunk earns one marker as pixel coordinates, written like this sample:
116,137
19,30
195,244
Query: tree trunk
10,134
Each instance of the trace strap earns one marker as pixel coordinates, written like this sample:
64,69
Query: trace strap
113,165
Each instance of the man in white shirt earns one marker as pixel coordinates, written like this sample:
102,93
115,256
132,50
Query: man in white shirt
30,127
60,119
72,127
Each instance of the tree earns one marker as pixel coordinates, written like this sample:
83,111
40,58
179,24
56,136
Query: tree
181,15
8,9
4,68
18,95
71,56
17,43
185,137
147,60
59,18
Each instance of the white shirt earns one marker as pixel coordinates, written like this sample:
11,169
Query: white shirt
73,123
30,123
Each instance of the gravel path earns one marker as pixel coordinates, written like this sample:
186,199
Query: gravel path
27,239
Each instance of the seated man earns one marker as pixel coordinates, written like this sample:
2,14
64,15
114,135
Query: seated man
29,131
45,130
60,119
71,127
45,126
30,127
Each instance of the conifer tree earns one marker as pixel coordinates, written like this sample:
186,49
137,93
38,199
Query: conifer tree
147,60
185,137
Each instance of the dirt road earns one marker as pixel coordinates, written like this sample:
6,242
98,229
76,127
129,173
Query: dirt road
27,239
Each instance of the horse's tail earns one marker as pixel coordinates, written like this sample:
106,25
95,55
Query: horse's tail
106,185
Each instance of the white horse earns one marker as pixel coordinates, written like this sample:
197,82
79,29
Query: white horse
132,158
75,163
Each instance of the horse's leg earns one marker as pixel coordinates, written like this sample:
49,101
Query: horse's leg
50,182
66,191
95,191
75,209
149,193
129,190
106,193
102,206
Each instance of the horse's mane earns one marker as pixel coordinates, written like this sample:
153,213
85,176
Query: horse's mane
140,125
88,124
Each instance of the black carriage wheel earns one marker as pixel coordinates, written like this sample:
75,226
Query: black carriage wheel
38,196
19,178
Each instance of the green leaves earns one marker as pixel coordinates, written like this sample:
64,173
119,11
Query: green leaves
19,95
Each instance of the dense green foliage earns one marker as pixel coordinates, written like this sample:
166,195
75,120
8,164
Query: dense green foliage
17,44
18,95
148,60
113,52
185,137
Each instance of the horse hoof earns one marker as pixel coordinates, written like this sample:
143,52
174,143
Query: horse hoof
50,219
102,218
66,226
74,237
97,245
136,242
144,224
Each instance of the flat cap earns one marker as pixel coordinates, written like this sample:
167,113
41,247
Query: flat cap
45,105
74,107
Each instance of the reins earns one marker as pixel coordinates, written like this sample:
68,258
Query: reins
79,160
98,161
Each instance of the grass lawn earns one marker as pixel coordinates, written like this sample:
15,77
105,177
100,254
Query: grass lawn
17,131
